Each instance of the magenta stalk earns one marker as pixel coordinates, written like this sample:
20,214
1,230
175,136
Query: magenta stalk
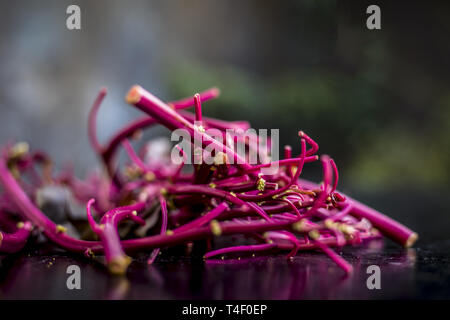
164,217
198,107
241,249
107,152
116,259
389,227
171,119
280,211
15,241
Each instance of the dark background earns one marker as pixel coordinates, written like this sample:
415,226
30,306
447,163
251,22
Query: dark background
377,101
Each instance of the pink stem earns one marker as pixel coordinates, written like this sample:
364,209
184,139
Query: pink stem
189,102
286,187
389,227
347,267
133,156
198,107
92,121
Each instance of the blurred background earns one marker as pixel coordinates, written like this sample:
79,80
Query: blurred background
377,101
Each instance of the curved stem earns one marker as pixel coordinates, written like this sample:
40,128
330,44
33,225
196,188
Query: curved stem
171,119
116,260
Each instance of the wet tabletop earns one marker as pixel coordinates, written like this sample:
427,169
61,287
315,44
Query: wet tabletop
421,272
